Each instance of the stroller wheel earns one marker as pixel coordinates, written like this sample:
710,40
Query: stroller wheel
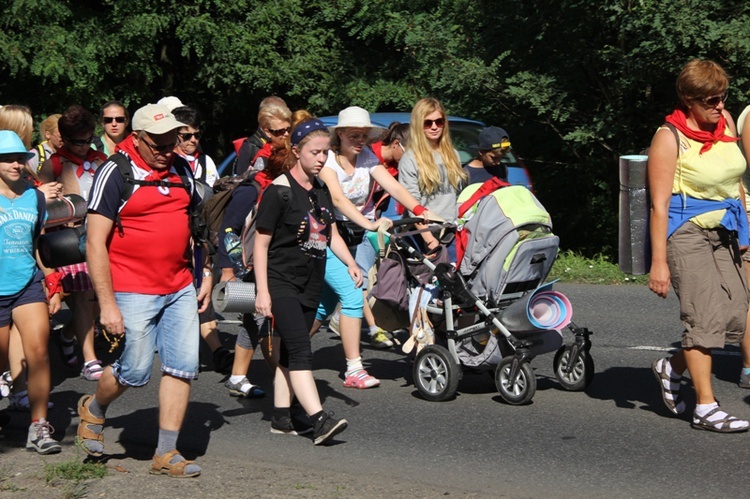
577,377
523,390
436,375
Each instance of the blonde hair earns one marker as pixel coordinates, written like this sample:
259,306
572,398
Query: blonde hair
48,125
299,116
18,119
429,175
273,111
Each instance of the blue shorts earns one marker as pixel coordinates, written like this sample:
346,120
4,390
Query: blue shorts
32,293
365,258
339,287
168,323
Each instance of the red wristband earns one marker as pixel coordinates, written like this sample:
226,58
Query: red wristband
53,282
418,210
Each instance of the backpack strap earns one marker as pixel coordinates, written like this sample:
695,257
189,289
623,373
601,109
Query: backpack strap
202,163
126,171
42,156
41,211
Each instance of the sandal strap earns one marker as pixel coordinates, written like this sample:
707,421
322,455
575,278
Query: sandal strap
164,462
84,432
724,421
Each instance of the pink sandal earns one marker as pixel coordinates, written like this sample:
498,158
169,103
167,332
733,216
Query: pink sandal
361,379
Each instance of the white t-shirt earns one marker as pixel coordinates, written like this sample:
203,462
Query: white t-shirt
357,187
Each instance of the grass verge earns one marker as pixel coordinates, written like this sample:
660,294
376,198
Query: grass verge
570,267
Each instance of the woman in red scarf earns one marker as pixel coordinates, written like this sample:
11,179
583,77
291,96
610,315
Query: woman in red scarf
695,172
74,165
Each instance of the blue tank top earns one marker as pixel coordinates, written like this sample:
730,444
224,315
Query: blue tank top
17,222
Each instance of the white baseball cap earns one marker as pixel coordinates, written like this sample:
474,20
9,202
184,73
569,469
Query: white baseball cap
156,119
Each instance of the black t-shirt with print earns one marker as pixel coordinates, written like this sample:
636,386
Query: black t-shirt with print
301,224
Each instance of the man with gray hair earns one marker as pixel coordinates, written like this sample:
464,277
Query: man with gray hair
138,237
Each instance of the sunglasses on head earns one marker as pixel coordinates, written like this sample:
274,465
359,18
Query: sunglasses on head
280,131
715,100
109,119
78,142
162,149
313,198
188,136
440,123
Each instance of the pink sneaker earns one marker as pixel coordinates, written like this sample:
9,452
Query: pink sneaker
360,379
92,370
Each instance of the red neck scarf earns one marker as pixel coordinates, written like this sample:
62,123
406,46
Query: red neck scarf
679,120
86,164
128,147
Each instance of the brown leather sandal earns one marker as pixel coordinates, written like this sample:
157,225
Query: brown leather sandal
161,466
84,433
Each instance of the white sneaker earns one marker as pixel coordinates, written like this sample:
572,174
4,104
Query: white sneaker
39,438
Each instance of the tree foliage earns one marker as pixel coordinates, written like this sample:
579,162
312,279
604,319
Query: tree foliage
576,83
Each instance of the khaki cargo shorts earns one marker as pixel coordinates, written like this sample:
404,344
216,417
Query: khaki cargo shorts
708,278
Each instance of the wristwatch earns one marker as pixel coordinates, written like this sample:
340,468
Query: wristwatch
207,273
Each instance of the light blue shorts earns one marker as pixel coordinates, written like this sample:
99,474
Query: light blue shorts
339,287
168,323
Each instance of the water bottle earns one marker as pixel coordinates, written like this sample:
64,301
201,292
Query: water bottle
233,245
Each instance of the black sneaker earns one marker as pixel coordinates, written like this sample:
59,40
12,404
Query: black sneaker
223,360
287,425
328,427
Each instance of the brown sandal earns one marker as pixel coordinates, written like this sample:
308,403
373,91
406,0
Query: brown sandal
161,466
84,433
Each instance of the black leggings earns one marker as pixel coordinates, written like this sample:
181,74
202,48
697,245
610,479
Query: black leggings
293,322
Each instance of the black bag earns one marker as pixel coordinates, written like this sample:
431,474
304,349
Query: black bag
351,233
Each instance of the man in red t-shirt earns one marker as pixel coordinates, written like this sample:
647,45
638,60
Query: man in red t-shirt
137,252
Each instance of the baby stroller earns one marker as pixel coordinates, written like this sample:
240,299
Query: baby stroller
492,313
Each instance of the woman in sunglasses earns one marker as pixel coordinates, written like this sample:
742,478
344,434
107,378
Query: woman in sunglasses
430,169
74,165
295,228
275,121
698,226
115,120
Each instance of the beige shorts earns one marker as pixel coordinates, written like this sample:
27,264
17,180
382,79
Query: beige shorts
708,278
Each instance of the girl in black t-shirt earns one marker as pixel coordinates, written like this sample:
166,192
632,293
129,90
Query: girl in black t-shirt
295,225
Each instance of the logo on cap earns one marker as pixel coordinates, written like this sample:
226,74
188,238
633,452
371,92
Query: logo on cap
158,117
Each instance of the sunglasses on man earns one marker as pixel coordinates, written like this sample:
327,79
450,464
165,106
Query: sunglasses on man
109,119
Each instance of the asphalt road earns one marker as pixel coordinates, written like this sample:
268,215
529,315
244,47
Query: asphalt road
615,439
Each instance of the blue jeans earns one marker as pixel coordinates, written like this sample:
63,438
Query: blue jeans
168,323
339,287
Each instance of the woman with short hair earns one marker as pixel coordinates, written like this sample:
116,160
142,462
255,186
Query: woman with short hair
698,225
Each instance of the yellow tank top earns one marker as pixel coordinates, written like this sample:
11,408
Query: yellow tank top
713,175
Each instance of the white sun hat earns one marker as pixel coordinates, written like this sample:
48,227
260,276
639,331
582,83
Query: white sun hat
354,117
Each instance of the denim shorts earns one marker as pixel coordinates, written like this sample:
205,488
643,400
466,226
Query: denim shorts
32,293
339,287
168,323
365,258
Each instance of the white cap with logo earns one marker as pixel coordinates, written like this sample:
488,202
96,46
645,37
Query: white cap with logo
156,119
